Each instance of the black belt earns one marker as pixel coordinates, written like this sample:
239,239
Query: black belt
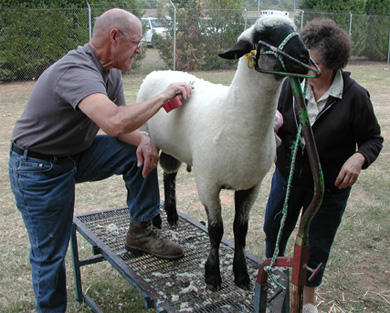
33,154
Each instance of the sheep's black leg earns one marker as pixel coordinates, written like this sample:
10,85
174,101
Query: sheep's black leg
212,273
170,198
243,202
171,167
157,221
209,196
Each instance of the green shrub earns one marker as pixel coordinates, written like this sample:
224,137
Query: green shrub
33,39
200,35
33,34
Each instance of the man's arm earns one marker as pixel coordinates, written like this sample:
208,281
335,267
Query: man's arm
118,120
124,121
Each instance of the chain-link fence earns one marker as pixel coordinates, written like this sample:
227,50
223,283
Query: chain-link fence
370,34
185,39
32,39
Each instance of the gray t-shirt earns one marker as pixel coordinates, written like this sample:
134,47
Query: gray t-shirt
51,122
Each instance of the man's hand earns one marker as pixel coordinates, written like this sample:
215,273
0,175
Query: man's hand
147,155
182,90
350,171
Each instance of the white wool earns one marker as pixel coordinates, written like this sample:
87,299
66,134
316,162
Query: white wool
225,132
270,21
266,21
175,298
112,228
221,131
184,307
189,289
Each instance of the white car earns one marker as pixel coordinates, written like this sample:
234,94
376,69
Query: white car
152,27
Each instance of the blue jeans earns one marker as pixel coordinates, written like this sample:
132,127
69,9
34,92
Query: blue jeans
45,190
322,228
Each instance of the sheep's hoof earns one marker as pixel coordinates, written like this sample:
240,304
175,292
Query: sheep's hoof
172,216
173,219
213,282
213,288
173,223
157,221
243,281
243,285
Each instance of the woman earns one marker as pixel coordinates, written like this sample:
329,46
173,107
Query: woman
348,139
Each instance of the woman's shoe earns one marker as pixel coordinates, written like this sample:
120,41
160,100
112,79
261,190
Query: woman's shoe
309,308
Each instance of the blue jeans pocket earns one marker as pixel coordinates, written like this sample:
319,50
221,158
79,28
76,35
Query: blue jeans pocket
34,166
40,183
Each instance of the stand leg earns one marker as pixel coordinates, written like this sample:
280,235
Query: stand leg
296,299
76,265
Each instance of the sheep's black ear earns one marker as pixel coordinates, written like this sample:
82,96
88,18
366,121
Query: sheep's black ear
237,50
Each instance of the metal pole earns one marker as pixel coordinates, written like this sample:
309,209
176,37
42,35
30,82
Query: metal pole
89,20
388,49
350,25
302,241
246,17
302,12
174,35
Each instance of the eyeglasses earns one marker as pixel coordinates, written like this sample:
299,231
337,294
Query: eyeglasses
137,42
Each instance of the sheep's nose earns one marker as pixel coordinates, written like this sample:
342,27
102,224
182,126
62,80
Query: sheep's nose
304,56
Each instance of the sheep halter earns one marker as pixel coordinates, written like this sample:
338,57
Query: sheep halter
253,59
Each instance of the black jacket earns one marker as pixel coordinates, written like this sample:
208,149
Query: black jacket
343,127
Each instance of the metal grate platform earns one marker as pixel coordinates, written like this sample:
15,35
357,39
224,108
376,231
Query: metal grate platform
168,286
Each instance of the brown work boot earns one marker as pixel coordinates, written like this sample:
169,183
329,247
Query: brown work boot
144,237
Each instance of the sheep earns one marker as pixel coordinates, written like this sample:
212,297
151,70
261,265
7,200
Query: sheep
226,134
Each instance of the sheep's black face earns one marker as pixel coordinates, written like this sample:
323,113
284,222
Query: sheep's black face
278,36
277,32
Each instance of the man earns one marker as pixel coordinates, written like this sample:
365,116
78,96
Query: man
55,145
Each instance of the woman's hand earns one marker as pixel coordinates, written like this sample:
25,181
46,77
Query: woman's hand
350,171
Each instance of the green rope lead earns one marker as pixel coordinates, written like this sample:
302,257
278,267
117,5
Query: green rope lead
284,211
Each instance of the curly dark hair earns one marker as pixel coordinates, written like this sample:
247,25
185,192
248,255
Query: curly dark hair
330,42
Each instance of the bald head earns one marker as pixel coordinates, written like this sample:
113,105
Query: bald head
114,18
116,35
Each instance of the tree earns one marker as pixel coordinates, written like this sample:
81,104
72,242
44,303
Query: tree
200,31
225,22
41,4
43,37
335,6
377,29
340,12
378,7
45,32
